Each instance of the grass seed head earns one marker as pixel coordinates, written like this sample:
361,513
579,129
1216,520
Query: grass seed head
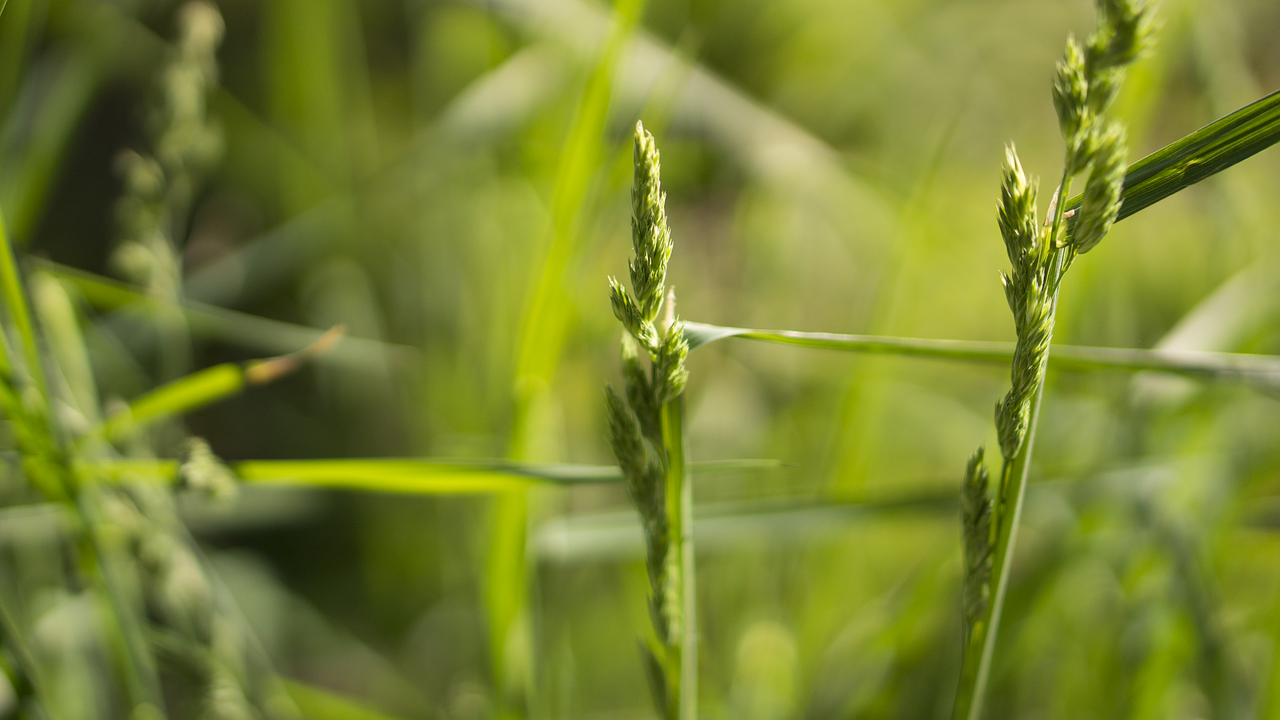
1017,212
1124,33
1071,100
1101,203
650,234
977,509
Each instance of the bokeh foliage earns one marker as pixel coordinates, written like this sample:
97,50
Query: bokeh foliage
442,176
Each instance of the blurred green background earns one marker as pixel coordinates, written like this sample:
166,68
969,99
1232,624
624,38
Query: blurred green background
450,181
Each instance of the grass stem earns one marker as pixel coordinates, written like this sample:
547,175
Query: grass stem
679,493
1012,490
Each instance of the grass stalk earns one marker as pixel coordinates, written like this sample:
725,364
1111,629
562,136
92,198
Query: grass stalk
679,493
1013,487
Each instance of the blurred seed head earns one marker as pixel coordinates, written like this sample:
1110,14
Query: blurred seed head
200,470
977,509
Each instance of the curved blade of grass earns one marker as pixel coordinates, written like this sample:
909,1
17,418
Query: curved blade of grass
1209,150
406,475
1262,370
208,386
15,300
182,395
51,106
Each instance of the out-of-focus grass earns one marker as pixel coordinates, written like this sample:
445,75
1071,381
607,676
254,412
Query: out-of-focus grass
405,168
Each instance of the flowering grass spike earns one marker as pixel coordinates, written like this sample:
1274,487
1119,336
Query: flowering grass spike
646,433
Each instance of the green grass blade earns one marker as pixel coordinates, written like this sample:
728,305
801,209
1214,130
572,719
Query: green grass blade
405,475
15,300
207,386
545,322
1262,370
319,704
52,109
180,396
1209,150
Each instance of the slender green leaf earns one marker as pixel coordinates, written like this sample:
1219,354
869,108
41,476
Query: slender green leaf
1209,150
180,396
1263,370
209,385
49,108
15,300
405,475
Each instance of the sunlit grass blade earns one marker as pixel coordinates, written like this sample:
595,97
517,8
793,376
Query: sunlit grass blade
208,386
15,300
545,322
1261,370
407,475
1209,150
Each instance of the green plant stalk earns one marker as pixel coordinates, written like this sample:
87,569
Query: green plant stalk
682,665
545,322
16,300
976,668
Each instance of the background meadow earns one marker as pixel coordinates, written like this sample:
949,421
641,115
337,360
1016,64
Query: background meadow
449,180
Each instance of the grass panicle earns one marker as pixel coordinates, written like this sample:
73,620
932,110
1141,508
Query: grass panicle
647,436
1084,86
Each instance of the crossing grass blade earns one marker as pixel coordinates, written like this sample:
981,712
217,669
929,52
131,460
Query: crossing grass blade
1260,370
405,475
1205,152
244,329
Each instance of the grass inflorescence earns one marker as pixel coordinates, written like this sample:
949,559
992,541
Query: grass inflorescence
646,432
1084,86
